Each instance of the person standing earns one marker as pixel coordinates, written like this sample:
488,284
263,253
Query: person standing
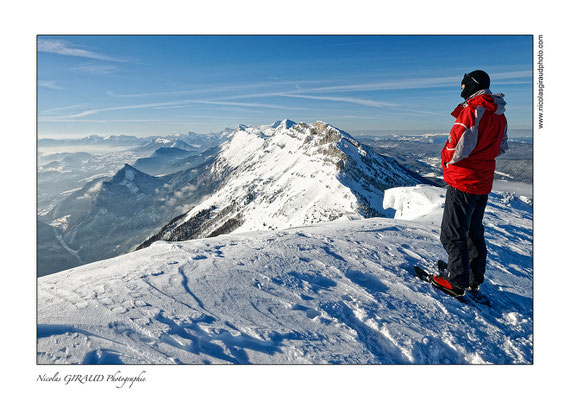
478,136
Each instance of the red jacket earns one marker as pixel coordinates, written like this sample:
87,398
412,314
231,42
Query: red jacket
478,136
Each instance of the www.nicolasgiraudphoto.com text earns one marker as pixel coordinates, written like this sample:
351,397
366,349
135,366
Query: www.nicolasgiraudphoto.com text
540,69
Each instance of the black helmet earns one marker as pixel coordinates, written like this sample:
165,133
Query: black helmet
475,81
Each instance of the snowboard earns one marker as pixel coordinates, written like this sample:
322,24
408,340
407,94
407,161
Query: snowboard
469,296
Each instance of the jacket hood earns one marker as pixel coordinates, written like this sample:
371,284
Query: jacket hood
484,98
492,102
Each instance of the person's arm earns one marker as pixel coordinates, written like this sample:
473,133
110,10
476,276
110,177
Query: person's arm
463,136
504,142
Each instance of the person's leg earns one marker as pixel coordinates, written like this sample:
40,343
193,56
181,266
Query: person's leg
476,244
459,207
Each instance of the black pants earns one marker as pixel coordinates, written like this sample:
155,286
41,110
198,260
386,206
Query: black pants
462,237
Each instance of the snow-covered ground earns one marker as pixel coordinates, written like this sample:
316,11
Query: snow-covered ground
341,292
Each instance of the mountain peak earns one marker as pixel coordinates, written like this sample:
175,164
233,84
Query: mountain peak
286,123
128,167
128,174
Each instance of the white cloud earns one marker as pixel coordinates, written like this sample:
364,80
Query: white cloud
371,103
50,85
255,105
66,48
85,196
413,83
389,85
97,187
87,113
510,75
59,109
418,83
237,88
95,68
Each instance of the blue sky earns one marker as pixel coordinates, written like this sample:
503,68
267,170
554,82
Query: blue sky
158,85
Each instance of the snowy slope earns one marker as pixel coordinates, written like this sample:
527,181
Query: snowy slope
338,292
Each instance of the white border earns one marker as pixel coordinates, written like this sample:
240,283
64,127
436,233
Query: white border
22,21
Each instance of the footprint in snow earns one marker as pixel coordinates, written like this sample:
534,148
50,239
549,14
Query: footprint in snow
310,312
367,281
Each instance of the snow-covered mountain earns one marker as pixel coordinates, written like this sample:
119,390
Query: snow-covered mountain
74,201
169,160
341,292
201,141
108,217
286,175
156,143
111,214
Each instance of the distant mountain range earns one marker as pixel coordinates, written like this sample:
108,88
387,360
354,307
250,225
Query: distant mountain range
421,154
66,165
186,141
